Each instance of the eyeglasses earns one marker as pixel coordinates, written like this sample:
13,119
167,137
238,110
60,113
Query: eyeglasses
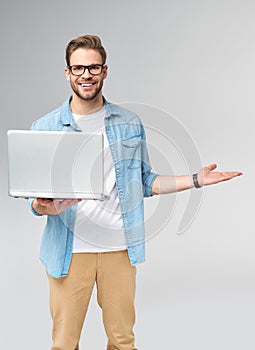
94,69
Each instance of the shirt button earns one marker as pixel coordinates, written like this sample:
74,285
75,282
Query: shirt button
117,171
121,193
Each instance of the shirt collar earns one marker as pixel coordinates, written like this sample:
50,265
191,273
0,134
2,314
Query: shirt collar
67,117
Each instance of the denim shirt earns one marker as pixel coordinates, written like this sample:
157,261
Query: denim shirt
134,180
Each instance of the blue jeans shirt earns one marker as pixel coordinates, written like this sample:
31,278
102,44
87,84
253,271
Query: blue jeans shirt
134,180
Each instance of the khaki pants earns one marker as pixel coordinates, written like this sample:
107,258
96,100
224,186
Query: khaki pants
70,295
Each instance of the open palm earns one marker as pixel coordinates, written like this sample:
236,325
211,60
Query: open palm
207,175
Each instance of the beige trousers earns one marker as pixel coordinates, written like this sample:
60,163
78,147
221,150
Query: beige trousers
70,296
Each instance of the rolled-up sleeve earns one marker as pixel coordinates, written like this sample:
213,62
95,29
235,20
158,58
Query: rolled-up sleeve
148,176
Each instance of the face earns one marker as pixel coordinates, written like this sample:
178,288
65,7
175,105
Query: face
87,87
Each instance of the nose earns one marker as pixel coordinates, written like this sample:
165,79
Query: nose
86,73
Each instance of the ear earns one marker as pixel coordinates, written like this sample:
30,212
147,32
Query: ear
67,73
105,72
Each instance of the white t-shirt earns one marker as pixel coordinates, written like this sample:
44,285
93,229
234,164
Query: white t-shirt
98,224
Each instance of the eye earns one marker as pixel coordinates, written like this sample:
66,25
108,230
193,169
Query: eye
77,68
95,68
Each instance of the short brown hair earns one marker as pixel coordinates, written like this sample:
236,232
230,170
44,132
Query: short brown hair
87,42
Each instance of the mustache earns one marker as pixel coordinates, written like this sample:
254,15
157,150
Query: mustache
89,79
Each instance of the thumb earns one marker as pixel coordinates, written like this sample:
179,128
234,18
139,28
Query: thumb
212,167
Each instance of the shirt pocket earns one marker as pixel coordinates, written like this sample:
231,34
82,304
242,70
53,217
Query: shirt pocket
132,152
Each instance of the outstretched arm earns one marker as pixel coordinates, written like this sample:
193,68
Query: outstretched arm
206,176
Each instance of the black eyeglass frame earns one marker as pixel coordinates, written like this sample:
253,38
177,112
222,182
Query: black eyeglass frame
86,67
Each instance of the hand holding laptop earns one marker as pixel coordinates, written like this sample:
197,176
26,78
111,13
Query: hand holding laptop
45,206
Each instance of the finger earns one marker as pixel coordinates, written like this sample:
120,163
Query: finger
212,167
237,173
61,200
43,201
232,174
62,204
73,201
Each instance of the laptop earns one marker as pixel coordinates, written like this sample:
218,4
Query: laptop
56,164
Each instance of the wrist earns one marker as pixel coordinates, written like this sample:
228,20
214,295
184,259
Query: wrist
195,181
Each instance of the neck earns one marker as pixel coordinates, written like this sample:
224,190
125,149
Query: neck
81,107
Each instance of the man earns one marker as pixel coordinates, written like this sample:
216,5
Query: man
86,242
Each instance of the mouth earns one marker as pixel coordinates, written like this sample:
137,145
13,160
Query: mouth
87,86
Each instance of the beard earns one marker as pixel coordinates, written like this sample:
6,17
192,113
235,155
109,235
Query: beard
91,97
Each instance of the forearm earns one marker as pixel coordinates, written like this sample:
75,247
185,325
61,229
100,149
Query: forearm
171,184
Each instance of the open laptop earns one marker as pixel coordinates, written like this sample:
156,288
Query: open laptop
56,164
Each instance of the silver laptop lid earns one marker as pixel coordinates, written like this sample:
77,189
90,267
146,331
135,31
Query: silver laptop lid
55,164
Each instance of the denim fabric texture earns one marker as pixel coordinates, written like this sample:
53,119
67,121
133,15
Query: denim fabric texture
134,179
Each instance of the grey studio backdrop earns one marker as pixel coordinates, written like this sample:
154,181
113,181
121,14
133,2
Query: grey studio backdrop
188,68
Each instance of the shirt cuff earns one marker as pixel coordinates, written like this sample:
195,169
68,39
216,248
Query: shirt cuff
148,184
